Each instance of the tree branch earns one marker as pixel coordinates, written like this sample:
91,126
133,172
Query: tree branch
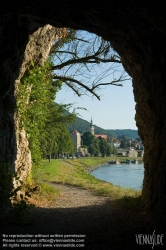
67,52
87,59
70,79
72,87
85,54
111,83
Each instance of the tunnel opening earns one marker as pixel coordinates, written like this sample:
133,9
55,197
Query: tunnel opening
141,47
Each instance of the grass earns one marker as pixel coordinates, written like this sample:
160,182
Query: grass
74,172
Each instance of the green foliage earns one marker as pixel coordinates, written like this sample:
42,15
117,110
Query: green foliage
93,150
123,137
64,142
108,150
74,172
33,106
43,120
129,133
82,126
123,144
97,146
103,147
57,138
88,138
114,151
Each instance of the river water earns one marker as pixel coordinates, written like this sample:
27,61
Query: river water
124,175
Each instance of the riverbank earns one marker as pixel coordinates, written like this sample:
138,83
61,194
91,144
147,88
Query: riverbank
121,160
77,211
70,201
76,172
92,168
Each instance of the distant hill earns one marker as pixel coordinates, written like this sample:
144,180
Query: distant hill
82,126
129,133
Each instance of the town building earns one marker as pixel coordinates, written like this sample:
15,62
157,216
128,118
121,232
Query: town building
98,136
92,130
76,136
81,151
132,153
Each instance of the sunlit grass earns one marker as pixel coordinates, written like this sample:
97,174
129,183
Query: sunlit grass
74,172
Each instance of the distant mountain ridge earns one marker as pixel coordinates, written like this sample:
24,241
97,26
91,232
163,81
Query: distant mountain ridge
83,126
129,133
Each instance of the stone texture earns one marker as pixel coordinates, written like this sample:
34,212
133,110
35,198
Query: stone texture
36,53
136,31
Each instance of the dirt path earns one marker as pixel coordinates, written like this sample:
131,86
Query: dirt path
78,211
74,197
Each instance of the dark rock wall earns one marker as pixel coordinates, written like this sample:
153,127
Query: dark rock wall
36,51
136,31
12,45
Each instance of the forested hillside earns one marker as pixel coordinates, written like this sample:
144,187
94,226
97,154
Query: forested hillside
129,133
82,126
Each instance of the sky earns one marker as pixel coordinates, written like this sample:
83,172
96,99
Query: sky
115,110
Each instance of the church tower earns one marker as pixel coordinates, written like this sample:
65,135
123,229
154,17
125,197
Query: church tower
92,130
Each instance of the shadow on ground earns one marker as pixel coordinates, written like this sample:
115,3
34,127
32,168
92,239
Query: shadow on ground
105,227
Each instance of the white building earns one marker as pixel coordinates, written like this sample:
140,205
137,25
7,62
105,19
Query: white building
76,136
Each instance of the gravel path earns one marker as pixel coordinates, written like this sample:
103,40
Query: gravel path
79,212
74,197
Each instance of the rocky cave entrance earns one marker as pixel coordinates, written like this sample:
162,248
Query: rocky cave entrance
137,33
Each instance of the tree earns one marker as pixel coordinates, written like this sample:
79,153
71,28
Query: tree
123,144
114,151
64,142
109,150
77,59
44,120
103,145
74,56
57,133
88,138
92,149
124,138
96,144
91,142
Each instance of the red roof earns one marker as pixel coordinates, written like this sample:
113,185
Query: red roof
74,131
102,136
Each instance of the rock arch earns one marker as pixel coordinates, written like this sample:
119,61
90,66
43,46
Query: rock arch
136,31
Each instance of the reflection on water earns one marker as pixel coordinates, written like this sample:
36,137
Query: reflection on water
124,175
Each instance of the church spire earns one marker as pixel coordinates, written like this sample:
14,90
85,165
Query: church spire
92,130
91,122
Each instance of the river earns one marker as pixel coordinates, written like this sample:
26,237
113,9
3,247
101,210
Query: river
124,175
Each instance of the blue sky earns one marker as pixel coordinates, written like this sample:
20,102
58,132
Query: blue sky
115,110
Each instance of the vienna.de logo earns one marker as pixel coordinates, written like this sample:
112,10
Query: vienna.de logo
150,239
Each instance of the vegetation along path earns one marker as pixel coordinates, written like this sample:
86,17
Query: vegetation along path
78,208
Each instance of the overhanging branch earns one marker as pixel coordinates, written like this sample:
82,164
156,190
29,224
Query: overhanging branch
69,80
111,83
